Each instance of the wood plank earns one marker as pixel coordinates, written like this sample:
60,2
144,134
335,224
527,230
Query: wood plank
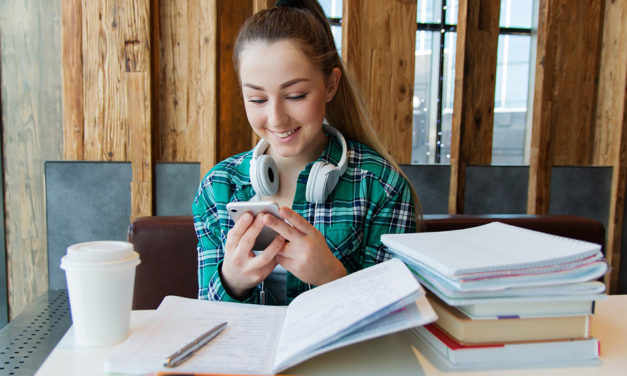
565,93
185,130
611,89
139,118
110,47
137,78
72,65
354,32
32,133
234,132
155,70
473,106
370,31
106,131
380,81
137,35
401,90
542,149
577,32
611,127
174,134
206,92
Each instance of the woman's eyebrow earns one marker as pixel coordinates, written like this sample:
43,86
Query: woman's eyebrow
255,87
283,85
293,82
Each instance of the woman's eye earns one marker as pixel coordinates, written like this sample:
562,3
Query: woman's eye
297,97
258,101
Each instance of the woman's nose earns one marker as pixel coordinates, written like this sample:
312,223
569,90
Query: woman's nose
276,114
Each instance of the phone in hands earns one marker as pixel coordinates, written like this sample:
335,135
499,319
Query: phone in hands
236,209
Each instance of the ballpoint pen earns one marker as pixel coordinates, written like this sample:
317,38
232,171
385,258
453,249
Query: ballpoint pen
188,350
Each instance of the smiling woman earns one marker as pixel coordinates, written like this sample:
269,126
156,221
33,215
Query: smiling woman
337,187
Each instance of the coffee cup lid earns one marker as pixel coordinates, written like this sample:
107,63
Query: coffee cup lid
99,252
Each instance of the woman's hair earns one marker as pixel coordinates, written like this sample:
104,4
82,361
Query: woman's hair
305,23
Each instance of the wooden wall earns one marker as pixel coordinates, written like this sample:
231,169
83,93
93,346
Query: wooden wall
30,38
152,80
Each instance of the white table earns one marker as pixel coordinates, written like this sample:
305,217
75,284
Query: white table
398,354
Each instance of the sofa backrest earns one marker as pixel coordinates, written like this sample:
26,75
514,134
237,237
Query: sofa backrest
167,247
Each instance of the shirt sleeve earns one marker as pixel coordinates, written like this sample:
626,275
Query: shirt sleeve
395,214
210,248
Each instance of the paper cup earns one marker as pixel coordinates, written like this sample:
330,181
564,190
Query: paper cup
100,277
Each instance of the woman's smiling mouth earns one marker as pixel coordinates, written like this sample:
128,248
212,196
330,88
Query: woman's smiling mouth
286,133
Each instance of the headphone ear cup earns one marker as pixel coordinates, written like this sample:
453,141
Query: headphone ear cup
322,179
264,175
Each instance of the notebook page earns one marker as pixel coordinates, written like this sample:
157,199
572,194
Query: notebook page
334,309
416,314
247,344
491,247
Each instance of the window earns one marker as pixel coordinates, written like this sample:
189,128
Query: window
512,119
435,76
434,80
333,11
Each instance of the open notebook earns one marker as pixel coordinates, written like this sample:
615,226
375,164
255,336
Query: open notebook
376,301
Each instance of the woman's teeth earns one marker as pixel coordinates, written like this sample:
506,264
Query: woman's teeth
285,134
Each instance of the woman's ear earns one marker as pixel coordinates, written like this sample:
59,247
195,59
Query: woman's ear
333,83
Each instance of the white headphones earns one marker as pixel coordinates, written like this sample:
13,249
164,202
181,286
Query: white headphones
264,173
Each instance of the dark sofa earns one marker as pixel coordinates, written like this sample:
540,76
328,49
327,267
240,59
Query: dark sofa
167,247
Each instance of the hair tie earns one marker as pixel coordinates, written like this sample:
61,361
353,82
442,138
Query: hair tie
287,3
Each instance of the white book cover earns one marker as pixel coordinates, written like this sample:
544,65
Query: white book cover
563,291
491,248
491,311
568,281
376,301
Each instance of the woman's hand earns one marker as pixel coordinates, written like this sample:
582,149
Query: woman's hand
305,254
241,269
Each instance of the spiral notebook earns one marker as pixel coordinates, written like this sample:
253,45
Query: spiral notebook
492,248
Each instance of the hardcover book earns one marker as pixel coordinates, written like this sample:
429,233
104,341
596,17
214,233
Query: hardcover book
507,354
508,328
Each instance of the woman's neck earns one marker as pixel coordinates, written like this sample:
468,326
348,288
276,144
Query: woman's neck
289,169
297,163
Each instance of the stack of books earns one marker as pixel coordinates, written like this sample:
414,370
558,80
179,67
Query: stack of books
505,295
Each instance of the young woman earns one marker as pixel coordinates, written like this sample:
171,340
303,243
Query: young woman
319,159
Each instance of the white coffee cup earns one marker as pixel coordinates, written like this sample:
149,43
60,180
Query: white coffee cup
100,277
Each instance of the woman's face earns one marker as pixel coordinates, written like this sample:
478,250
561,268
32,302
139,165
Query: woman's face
285,97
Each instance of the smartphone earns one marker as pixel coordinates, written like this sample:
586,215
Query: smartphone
236,209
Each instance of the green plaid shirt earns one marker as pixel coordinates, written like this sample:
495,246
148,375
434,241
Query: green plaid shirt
370,199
